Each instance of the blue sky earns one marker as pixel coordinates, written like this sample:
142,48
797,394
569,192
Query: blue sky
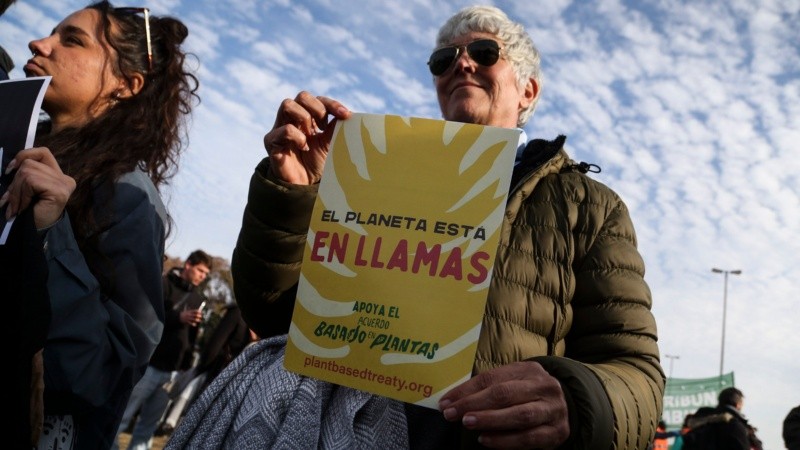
691,108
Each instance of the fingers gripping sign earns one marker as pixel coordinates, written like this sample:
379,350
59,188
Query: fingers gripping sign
300,139
40,182
519,405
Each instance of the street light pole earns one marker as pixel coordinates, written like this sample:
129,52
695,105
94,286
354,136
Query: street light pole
724,311
671,359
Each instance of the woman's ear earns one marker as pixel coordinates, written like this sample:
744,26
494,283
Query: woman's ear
134,84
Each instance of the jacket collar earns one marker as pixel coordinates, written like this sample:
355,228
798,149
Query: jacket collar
174,276
536,153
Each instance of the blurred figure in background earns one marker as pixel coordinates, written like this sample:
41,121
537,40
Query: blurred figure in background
227,339
791,429
677,444
723,427
661,439
183,305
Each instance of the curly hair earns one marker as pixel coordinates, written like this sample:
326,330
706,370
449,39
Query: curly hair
519,47
145,131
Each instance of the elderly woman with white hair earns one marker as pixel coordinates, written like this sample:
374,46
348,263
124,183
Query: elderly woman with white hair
567,355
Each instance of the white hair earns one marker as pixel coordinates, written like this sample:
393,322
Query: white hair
518,45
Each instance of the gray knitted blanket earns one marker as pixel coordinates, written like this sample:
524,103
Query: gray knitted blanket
254,403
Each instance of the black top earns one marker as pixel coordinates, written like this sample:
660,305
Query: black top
174,351
226,341
720,428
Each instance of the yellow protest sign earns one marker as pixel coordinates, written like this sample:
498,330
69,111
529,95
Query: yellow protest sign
399,255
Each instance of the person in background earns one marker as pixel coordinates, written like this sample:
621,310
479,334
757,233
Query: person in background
677,444
224,343
116,106
567,354
755,441
6,63
183,304
661,439
791,429
228,338
723,427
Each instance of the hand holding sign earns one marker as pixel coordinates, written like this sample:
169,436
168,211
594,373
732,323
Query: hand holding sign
19,115
299,141
38,180
396,272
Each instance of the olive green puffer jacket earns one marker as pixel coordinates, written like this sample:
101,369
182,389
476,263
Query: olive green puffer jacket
567,290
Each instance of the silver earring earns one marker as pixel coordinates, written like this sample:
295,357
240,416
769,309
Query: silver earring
35,52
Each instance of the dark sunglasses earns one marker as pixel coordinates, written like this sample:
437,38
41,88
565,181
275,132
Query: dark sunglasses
146,12
485,52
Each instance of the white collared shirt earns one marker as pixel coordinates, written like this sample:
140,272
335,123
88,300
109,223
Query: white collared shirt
523,142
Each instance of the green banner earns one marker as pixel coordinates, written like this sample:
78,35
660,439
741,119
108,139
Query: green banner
683,396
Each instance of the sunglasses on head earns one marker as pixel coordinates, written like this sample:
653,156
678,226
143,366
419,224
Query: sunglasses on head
485,52
146,12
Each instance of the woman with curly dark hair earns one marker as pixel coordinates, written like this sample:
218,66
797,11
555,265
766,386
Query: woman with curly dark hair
117,101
